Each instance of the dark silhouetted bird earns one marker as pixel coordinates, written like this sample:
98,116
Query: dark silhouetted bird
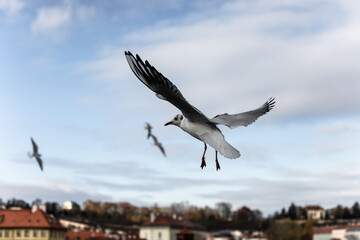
148,127
36,154
158,144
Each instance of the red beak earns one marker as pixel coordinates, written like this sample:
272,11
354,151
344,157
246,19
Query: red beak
168,123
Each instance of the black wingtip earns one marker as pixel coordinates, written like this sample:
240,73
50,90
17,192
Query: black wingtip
128,53
271,103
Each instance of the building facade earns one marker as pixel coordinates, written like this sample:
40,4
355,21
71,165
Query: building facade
167,228
29,225
315,212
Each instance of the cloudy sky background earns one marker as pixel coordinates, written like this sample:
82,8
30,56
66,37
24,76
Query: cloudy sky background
64,81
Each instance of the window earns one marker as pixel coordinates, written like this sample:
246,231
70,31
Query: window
35,233
7,233
26,233
0,233
18,233
43,233
159,235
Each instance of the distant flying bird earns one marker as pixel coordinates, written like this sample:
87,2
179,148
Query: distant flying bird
36,154
158,144
148,127
192,120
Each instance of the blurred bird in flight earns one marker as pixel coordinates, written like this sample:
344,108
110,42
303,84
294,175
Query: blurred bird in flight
36,154
156,142
148,127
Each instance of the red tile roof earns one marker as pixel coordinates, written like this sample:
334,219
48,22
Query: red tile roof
84,235
185,232
177,223
314,207
26,219
328,229
323,230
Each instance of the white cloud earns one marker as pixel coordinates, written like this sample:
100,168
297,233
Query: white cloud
48,192
11,7
50,19
340,127
305,57
85,12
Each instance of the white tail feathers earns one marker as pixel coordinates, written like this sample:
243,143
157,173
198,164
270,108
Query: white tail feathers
228,151
217,141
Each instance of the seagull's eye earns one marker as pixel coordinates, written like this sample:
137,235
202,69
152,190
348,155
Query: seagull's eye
175,119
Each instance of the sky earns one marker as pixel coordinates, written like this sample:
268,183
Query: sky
64,81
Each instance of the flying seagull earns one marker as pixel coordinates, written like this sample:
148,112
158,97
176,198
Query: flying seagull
192,120
158,144
148,127
36,154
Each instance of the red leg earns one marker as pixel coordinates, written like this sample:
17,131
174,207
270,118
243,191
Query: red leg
217,162
203,163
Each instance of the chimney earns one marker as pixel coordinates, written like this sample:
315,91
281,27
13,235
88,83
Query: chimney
34,208
152,217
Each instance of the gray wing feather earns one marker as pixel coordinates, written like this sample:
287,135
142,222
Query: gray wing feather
35,147
163,87
245,118
40,162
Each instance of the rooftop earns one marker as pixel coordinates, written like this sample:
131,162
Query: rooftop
313,207
173,222
24,218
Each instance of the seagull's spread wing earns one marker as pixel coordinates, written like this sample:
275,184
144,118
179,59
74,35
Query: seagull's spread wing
38,159
35,147
158,144
245,118
148,127
161,149
154,139
163,88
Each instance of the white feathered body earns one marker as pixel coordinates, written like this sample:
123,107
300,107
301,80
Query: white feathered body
211,135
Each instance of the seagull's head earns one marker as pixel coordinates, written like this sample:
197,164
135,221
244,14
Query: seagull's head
30,155
176,120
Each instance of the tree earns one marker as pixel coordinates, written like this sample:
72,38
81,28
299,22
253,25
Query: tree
53,208
285,230
283,213
245,218
346,213
308,230
292,212
224,210
36,202
179,208
356,210
193,213
339,212
17,203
